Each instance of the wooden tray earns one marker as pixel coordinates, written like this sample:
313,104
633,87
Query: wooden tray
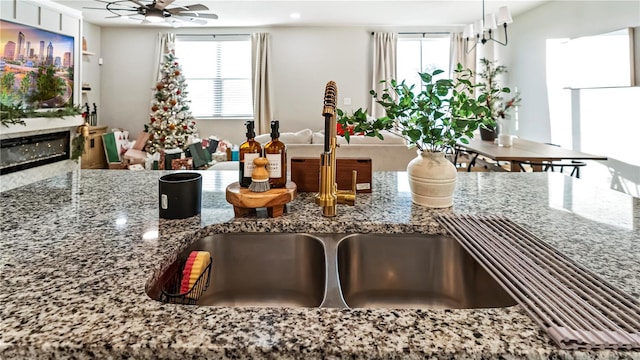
245,202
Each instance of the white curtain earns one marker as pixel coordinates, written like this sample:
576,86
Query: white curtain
166,43
384,65
459,55
261,78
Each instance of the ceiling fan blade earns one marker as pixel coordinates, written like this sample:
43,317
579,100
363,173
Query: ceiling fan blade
196,7
181,9
190,19
161,4
174,22
137,2
123,16
190,8
117,9
198,15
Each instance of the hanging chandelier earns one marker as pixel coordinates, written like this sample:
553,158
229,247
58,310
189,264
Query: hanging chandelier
483,30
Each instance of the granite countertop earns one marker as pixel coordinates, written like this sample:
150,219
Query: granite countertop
77,250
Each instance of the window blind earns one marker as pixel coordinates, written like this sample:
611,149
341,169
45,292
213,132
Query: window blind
217,70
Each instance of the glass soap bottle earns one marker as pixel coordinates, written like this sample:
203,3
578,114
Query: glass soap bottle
249,150
276,152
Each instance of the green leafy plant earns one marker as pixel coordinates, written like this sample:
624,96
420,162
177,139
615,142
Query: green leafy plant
14,114
434,119
77,147
491,93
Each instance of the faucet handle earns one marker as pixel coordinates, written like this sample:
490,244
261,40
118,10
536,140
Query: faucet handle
354,181
349,196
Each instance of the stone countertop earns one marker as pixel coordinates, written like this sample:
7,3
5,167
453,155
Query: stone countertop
77,250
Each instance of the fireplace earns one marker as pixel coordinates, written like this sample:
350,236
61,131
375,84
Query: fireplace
37,150
25,152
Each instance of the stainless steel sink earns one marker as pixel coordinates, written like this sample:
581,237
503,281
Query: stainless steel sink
261,269
341,270
413,271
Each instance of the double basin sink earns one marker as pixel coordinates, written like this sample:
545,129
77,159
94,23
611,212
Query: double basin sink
343,271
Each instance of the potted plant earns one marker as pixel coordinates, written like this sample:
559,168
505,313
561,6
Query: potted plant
433,120
491,93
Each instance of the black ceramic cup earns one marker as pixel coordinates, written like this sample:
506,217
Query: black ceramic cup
180,195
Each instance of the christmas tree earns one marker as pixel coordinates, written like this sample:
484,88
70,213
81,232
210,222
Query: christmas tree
171,122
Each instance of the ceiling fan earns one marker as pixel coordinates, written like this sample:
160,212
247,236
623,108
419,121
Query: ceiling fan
155,11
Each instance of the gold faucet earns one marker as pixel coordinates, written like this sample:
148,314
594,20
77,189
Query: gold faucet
329,195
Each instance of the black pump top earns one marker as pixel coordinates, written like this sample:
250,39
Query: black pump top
275,129
251,133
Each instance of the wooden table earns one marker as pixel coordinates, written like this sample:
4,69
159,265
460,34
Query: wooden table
525,151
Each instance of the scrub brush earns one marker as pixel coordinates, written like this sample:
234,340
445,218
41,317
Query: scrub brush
259,175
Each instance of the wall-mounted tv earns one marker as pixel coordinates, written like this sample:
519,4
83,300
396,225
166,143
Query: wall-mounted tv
36,67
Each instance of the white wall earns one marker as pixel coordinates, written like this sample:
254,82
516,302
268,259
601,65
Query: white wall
526,53
126,77
304,60
600,121
90,66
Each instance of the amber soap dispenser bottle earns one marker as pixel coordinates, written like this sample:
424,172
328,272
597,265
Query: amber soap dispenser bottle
249,150
276,152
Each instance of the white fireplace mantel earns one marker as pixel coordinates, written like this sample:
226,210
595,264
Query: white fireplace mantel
43,125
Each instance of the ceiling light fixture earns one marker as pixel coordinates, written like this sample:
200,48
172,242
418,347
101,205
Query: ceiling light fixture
154,15
482,30
294,15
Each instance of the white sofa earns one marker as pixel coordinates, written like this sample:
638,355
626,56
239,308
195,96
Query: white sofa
390,154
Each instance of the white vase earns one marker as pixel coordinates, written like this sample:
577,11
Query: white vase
432,179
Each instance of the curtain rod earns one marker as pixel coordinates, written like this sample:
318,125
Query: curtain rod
423,33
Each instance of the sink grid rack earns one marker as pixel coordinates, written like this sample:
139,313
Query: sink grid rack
171,287
577,309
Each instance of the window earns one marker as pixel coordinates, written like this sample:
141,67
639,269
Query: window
612,51
217,70
422,53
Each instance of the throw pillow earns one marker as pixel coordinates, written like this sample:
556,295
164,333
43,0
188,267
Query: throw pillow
301,137
318,138
389,139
